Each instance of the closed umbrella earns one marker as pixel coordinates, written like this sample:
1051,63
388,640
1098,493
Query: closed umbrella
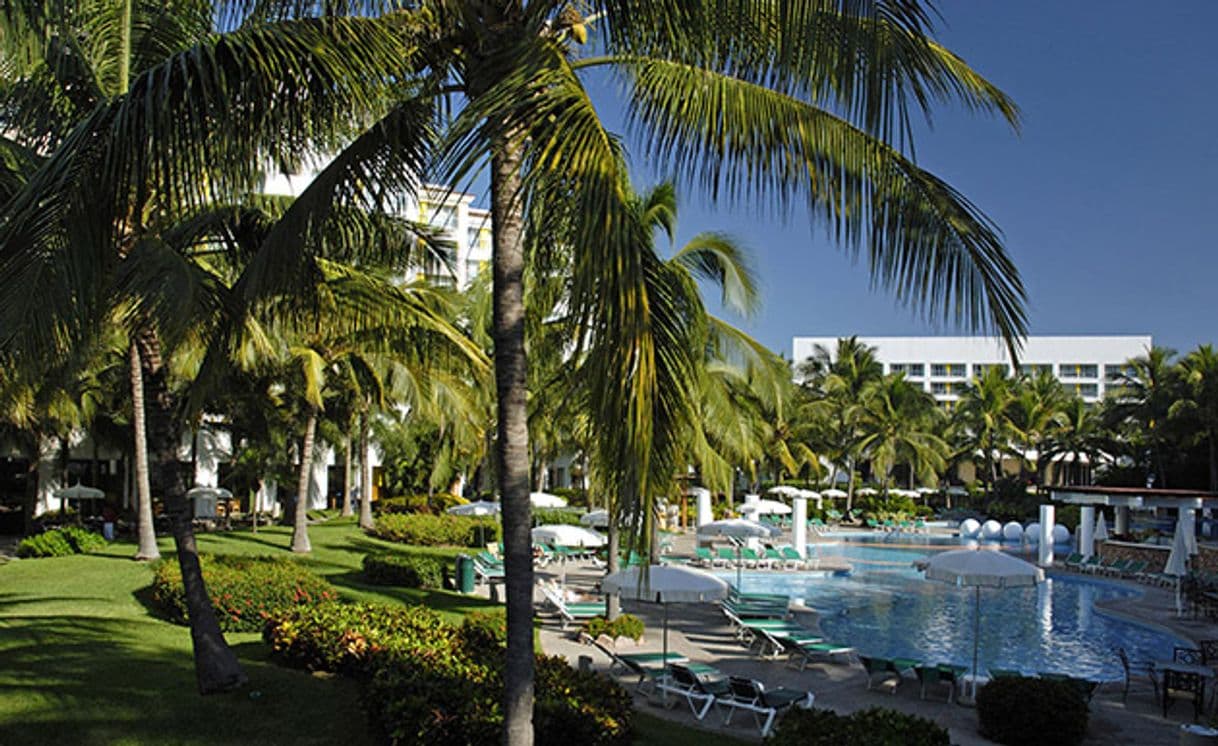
595,518
665,584
977,569
546,500
1177,561
736,528
1101,528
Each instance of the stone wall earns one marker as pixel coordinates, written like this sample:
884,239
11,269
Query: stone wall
1155,556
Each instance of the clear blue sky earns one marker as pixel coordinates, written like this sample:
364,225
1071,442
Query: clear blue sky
1108,198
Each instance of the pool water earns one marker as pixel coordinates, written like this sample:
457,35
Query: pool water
886,608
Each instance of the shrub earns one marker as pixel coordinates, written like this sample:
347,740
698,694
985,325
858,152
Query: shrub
244,590
875,726
1020,711
421,529
626,625
432,682
437,503
561,516
61,542
404,570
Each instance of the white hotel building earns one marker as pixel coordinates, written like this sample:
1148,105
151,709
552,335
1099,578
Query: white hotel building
1086,365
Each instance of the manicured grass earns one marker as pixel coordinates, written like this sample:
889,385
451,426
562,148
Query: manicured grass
84,661
653,731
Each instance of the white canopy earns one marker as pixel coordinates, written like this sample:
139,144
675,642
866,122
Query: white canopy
479,507
766,507
567,536
982,568
865,491
546,500
736,528
666,584
79,491
785,490
595,518
927,490
905,493
834,493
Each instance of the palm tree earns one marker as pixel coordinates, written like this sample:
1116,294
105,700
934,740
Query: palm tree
1142,398
1080,434
799,100
1199,376
897,422
1038,410
984,418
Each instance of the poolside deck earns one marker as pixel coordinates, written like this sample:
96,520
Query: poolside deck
701,632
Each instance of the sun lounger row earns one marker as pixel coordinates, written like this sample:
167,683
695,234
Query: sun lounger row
916,527
773,638
1123,568
772,558
896,670
703,686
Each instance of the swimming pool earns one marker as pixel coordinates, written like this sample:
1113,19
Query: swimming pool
886,608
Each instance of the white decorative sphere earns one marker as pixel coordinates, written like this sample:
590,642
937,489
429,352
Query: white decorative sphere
1061,534
991,530
1031,534
969,528
1012,531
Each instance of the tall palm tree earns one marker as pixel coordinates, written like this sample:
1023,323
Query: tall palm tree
984,418
1037,411
1143,396
1199,405
898,423
795,101
1079,435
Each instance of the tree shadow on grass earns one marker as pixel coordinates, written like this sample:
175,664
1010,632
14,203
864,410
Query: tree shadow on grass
97,680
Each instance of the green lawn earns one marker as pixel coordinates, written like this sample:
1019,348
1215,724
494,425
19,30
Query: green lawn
83,661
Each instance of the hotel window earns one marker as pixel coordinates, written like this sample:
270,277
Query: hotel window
1079,370
471,237
1087,389
980,369
941,388
1114,373
948,405
440,217
1035,369
911,370
947,370
472,268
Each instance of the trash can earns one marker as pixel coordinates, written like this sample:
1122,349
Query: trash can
465,573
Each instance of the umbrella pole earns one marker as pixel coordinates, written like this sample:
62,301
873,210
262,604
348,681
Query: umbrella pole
976,635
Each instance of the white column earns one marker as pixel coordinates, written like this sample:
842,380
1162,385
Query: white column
705,514
799,518
49,475
319,478
1045,550
1086,531
1122,520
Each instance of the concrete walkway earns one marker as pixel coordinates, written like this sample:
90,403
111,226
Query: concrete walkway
701,632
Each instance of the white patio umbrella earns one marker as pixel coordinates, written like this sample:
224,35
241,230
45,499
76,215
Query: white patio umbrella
595,518
567,536
1177,561
811,495
736,528
79,491
546,500
866,492
784,490
1101,528
476,508
927,490
766,507
834,493
217,493
666,584
977,569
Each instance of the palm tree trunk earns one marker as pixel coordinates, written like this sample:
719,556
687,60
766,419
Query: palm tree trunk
513,444
300,519
613,542
347,474
216,666
365,475
143,499
849,484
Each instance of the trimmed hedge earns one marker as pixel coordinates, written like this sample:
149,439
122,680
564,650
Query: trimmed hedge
626,625
436,503
244,591
404,570
431,682
1026,710
61,542
557,516
421,529
875,726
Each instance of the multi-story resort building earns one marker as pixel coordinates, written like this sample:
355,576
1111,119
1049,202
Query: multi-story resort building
1086,365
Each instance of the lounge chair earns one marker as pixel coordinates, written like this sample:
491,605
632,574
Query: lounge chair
890,669
1135,569
771,640
751,695
1091,563
1005,673
1116,567
487,572
703,557
649,667
801,655
572,611
751,559
929,676
775,559
791,558
727,557
1073,561
699,685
